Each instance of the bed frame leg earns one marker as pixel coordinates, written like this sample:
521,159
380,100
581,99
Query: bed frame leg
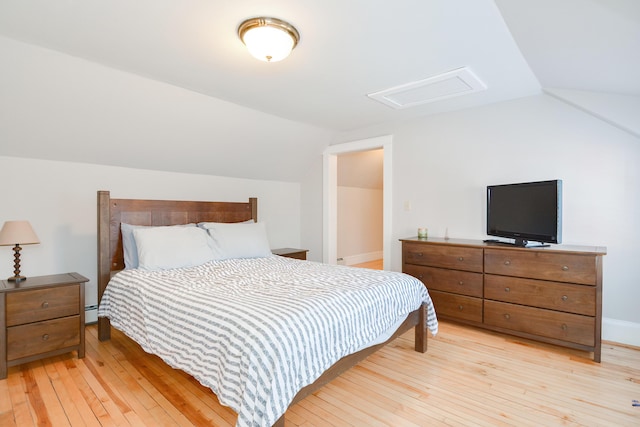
421,331
280,422
104,329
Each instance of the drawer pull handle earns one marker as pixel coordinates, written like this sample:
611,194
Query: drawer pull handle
564,297
564,327
507,316
418,253
565,268
507,289
461,283
507,262
460,258
460,307
45,304
45,337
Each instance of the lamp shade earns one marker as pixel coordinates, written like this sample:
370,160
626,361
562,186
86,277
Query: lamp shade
17,233
268,39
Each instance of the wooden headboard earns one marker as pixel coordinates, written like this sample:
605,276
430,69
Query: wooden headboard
112,212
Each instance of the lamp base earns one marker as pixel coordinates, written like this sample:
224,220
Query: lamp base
16,279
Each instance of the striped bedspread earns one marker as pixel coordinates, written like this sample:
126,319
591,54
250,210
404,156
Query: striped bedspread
258,330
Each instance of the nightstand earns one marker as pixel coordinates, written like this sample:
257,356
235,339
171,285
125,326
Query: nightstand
40,317
291,253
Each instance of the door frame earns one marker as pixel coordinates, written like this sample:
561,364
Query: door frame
330,195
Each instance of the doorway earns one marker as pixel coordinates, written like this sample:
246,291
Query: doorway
330,190
360,205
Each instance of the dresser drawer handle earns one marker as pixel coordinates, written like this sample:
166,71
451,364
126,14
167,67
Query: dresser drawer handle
507,316
460,258
461,283
565,268
45,337
507,262
507,289
45,304
460,307
564,297
418,254
564,327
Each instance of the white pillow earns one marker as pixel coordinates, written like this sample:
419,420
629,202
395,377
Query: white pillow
163,248
207,225
239,240
129,243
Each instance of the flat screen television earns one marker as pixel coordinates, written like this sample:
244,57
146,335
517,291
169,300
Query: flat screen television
528,211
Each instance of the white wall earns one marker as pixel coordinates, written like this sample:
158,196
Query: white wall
359,224
57,107
442,165
617,109
59,199
312,211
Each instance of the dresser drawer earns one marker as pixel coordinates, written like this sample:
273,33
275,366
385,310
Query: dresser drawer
454,281
579,299
42,304
572,268
458,258
573,328
41,337
457,306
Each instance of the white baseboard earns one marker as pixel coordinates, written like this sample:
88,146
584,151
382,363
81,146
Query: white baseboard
360,258
621,331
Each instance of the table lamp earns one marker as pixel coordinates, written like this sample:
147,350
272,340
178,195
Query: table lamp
17,233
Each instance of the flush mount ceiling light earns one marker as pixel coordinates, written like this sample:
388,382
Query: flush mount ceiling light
268,39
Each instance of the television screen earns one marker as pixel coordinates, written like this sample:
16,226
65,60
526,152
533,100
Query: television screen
529,211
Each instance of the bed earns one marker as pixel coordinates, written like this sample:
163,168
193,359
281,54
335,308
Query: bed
256,369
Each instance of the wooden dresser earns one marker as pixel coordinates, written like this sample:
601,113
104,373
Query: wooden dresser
551,294
41,317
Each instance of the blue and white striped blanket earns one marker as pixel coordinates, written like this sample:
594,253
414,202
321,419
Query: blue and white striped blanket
258,330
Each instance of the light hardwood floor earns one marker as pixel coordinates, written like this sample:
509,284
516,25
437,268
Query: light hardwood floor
375,264
467,377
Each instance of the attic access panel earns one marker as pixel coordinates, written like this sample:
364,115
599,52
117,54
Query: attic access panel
461,81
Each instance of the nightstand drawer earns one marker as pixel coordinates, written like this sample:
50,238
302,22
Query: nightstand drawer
42,304
41,337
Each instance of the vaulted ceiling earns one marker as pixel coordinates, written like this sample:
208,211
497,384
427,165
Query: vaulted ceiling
349,49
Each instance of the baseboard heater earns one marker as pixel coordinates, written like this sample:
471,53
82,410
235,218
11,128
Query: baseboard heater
90,314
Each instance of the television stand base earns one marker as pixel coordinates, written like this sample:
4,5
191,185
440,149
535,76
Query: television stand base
521,243
537,245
